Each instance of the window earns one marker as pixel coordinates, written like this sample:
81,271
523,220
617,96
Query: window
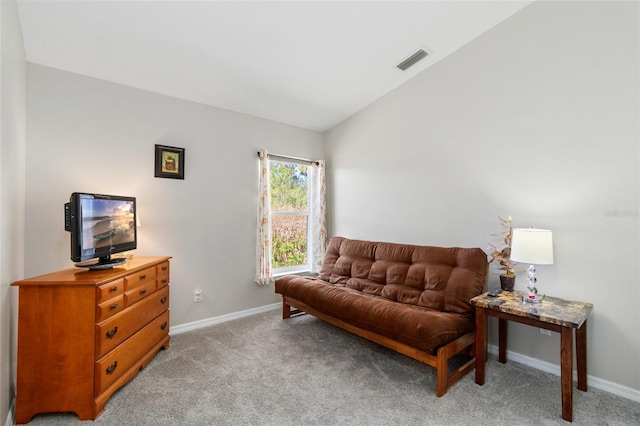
291,227
289,217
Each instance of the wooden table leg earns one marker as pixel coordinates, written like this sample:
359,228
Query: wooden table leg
566,372
502,340
481,344
581,356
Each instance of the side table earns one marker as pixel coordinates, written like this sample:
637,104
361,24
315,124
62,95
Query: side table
559,315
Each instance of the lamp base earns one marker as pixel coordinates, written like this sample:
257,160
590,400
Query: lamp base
537,298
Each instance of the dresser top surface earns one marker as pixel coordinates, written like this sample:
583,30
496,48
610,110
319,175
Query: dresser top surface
82,276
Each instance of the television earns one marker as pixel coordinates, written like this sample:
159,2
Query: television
100,226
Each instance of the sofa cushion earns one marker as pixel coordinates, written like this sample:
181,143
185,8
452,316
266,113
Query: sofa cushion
438,278
422,328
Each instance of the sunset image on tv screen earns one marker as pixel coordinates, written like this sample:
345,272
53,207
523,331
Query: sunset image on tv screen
106,223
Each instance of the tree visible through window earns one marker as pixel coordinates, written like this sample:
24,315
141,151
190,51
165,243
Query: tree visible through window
289,216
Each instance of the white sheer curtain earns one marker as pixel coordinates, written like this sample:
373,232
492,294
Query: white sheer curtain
317,214
263,240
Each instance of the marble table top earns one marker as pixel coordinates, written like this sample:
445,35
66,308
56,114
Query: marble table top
553,310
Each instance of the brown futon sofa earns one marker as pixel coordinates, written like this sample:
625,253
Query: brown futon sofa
412,299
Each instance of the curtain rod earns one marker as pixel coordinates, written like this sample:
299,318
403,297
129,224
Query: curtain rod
292,159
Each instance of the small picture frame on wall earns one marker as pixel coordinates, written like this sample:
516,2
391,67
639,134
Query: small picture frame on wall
169,162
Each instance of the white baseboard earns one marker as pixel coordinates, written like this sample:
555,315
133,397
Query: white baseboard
182,328
614,388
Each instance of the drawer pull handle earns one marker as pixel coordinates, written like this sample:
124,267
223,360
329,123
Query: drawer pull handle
164,268
163,300
163,326
164,281
143,277
114,306
111,333
143,291
110,369
114,289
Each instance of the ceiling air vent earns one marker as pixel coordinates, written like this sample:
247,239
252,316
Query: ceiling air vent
412,60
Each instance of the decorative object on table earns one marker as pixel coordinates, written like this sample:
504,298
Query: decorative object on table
169,162
501,253
533,246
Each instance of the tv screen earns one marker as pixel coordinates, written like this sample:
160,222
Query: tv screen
100,225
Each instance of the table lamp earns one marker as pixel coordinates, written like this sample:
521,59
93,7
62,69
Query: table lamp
533,246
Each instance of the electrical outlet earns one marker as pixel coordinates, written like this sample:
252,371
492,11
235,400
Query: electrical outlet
197,295
545,332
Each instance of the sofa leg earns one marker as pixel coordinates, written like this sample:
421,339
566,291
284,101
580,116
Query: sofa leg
442,374
286,309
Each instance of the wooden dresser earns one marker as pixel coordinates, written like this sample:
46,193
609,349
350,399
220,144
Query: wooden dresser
84,334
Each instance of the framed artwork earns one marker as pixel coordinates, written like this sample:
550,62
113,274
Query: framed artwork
169,162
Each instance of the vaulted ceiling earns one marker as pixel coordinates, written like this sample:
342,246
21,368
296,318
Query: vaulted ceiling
310,64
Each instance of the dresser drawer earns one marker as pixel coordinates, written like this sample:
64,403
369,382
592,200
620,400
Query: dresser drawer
145,289
139,278
117,362
162,269
162,281
110,290
117,329
109,308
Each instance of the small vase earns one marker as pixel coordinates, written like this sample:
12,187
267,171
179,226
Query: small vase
507,282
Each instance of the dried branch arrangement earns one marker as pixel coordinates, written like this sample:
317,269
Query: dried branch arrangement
501,252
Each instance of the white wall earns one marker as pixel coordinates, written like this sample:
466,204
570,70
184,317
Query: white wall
89,135
539,119
12,199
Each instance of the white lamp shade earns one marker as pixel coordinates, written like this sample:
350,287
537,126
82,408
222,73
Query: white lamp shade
533,246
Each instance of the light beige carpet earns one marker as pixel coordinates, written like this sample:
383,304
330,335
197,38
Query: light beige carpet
263,370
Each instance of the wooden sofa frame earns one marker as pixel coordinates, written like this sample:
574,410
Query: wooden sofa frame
444,380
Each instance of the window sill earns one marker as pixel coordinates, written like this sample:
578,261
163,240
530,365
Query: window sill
297,273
